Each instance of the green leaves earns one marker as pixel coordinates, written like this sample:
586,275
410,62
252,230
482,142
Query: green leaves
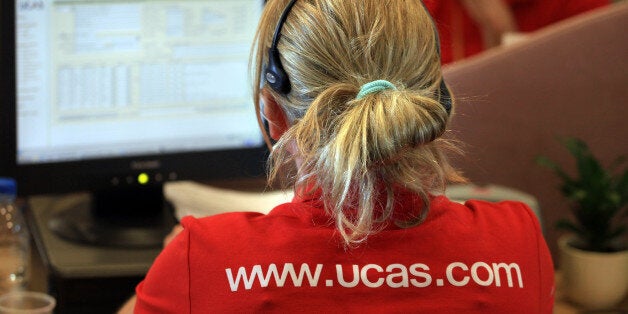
598,197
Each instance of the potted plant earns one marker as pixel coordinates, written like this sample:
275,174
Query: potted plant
594,254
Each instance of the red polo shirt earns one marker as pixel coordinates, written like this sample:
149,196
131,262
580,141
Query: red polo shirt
475,258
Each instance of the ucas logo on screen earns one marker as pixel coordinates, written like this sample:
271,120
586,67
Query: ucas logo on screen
30,5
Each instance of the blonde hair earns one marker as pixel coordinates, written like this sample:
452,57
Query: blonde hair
358,152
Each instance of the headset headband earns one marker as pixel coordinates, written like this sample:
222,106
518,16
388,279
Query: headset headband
274,73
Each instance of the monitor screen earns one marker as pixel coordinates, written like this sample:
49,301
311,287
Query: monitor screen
107,79
110,95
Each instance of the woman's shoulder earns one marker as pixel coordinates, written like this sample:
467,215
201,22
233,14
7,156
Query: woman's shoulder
507,217
502,210
238,224
221,222
219,218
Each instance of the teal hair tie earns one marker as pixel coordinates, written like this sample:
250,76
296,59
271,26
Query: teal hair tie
374,87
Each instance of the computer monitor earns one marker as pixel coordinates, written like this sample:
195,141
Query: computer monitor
118,97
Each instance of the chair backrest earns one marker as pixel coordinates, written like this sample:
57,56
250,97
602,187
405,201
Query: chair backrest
513,103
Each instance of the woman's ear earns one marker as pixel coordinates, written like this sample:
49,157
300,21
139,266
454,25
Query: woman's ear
272,111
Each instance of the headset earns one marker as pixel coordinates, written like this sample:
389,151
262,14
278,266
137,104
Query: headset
278,79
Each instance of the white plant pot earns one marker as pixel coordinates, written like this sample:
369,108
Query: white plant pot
595,281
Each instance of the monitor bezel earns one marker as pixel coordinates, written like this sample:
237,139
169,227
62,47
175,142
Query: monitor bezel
105,173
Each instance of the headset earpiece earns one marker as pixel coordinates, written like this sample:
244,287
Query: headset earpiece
274,73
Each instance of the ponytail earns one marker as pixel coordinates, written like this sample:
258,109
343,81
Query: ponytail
350,148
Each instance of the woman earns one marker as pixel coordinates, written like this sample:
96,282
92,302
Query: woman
353,95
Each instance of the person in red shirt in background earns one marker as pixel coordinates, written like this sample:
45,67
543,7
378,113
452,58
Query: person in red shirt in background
468,27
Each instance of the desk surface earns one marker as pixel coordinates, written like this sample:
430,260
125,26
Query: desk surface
74,260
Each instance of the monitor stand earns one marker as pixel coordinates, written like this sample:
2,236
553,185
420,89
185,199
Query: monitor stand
127,218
